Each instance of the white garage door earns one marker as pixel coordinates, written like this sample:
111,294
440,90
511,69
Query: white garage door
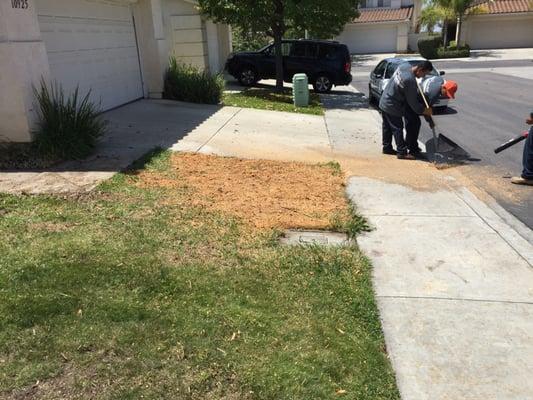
501,34
370,39
92,44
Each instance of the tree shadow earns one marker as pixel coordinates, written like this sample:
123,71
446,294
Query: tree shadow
343,99
135,129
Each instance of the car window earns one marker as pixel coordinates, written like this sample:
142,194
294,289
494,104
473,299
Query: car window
328,52
391,69
380,69
303,50
416,62
269,51
285,49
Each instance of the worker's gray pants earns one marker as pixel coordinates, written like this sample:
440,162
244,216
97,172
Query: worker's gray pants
527,161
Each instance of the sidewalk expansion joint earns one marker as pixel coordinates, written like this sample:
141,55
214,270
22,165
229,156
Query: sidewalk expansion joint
455,299
327,130
218,130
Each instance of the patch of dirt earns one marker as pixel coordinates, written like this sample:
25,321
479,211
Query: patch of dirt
72,383
265,194
419,175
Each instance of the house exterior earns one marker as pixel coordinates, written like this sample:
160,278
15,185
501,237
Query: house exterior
118,49
503,24
383,26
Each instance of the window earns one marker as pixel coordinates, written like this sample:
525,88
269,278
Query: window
303,49
380,69
285,49
391,69
384,3
328,52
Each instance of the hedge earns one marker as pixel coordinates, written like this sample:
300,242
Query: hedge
428,46
453,52
188,83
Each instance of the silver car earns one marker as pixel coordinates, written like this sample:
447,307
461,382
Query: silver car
381,75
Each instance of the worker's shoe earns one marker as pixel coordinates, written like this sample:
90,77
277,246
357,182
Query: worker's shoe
518,180
418,155
406,156
390,151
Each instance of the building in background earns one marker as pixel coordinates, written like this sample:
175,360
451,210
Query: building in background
383,26
118,49
503,24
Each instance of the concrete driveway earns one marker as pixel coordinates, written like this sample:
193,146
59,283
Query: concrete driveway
139,127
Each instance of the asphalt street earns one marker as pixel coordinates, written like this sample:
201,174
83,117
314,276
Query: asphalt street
493,101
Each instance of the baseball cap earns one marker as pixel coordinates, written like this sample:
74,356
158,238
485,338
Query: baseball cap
450,87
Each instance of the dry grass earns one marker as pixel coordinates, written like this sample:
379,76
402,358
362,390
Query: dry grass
264,194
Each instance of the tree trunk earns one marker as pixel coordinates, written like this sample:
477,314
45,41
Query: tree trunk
278,29
445,33
279,60
458,31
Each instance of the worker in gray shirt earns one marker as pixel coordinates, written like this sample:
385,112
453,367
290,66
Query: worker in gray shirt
400,100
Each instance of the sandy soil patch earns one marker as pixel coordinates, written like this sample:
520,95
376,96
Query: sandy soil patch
265,194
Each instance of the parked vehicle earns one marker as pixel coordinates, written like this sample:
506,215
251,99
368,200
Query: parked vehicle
326,63
381,75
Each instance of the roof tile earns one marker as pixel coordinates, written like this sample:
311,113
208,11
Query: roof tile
506,6
369,15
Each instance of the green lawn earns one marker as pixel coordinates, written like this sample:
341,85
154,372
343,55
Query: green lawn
131,293
269,99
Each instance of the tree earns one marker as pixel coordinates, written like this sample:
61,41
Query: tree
274,17
448,11
461,8
438,12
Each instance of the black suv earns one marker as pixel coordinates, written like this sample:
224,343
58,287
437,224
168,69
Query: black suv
326,63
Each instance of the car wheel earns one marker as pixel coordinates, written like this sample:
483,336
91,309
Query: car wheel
247,76
322,84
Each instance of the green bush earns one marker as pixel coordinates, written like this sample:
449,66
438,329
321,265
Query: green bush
453,43
68,126
428,46
188,83
453,52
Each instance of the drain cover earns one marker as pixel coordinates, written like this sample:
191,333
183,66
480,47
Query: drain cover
322,238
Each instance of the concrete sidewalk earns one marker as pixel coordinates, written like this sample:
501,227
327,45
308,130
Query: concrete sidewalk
453,279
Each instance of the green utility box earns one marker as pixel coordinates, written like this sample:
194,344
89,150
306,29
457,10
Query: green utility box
300,90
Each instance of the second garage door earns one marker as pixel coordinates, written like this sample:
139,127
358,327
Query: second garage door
92,44
362,39
501,34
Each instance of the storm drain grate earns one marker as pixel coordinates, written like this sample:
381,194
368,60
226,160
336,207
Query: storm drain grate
321,238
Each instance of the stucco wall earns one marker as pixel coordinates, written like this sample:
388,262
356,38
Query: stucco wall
23,61
153,48
403,39
185,33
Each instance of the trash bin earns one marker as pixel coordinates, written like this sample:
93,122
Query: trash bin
300,90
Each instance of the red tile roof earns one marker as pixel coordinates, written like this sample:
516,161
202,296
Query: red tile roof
369,15
506,6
